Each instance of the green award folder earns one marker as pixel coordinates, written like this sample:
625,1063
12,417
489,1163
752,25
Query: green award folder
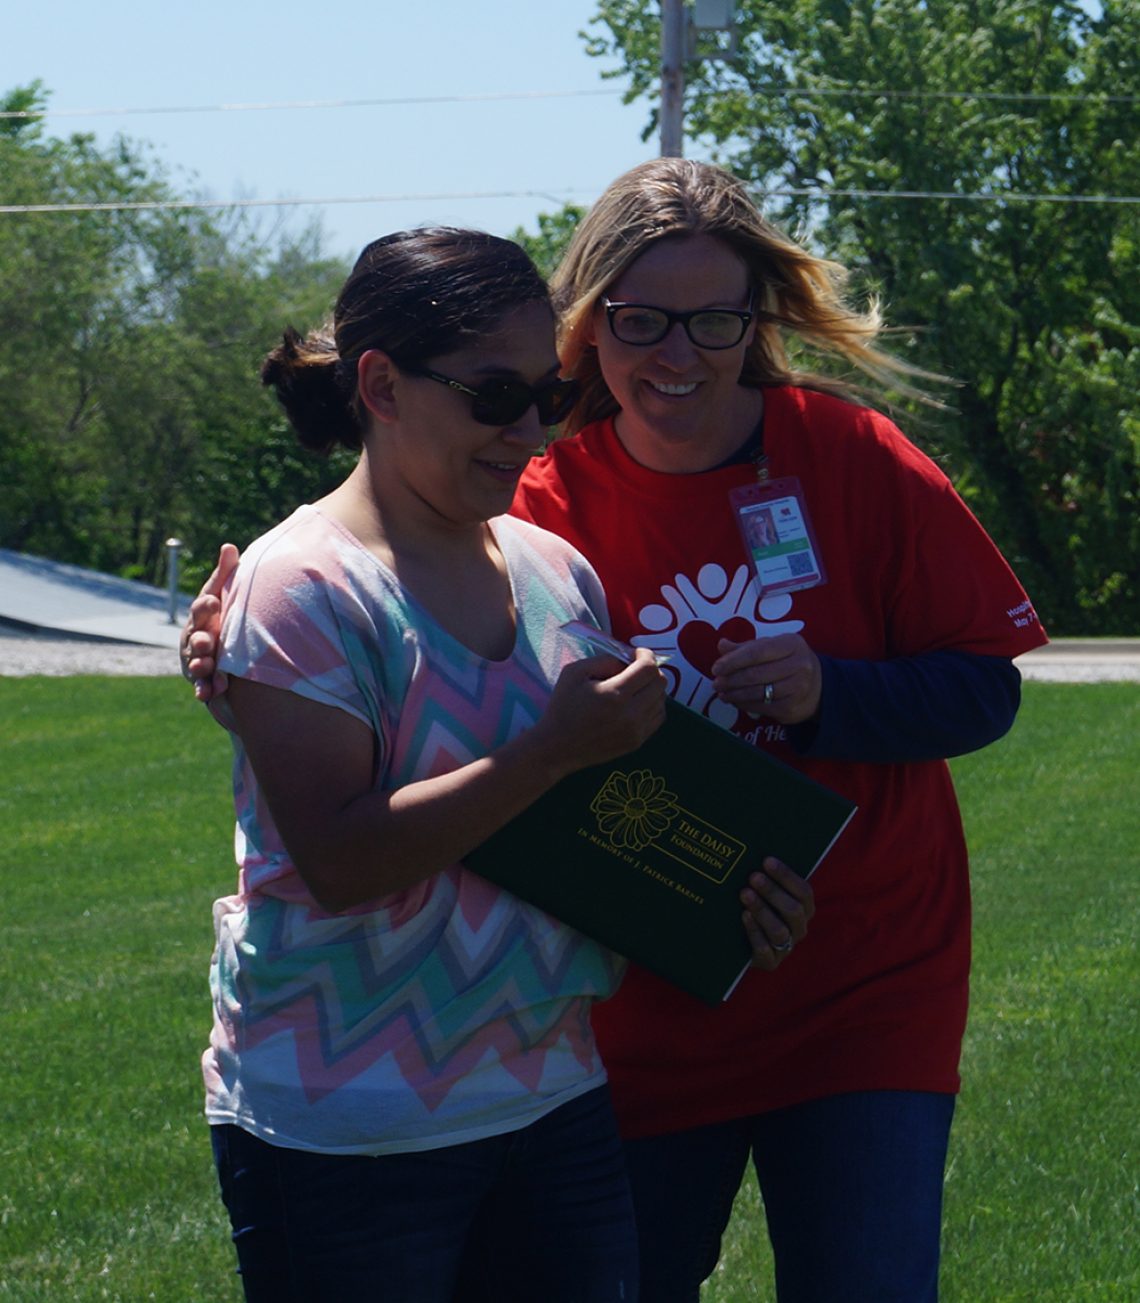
648,853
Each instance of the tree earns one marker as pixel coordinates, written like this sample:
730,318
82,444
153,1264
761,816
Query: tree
1030,304
250,470
58,312
130,342
555,231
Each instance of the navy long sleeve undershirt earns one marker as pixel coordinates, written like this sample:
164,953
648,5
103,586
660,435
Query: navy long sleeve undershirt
926,707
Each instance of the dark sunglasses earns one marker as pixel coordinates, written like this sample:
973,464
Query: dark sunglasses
638,323
502,402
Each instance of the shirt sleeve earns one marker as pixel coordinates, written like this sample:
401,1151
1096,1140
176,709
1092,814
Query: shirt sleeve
925,707
593,594
953,588
289,624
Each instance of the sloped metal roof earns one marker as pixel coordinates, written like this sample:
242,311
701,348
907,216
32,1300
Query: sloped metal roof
41,595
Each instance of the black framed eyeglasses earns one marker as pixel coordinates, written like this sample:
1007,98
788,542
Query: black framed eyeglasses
639,323
502,402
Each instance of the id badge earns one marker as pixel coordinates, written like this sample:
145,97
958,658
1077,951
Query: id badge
778,536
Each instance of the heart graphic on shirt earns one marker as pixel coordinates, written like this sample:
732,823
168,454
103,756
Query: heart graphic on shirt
697,641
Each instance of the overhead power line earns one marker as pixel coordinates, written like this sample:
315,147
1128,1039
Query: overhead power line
787,92
307,104
145,205
984,196
868,92
552,197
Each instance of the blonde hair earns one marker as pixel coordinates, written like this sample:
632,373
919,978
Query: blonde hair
794,290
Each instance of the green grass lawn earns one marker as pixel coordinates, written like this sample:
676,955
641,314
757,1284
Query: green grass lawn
1041,1190
115,813
116,839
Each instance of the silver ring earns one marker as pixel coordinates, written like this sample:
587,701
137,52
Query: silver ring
769,693
782,950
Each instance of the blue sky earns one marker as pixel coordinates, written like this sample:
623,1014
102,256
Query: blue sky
130,54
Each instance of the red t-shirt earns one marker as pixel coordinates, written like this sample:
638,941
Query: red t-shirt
875,996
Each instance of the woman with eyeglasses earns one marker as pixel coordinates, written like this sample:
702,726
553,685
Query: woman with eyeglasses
404,1093
870,639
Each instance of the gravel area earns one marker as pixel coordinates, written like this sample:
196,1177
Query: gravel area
1101,670
21,655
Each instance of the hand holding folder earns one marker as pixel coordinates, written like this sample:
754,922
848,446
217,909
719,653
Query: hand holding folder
648,854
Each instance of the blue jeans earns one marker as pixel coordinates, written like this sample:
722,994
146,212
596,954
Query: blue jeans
541,1213
852,1190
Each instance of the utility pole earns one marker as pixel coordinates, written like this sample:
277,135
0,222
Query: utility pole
672,77
679,30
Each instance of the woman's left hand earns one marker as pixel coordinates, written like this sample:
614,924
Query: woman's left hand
778,678
198,642
778,904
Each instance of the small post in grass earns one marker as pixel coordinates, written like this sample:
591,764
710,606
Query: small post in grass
173,547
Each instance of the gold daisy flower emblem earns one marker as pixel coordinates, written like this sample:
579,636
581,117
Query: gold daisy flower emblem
634,809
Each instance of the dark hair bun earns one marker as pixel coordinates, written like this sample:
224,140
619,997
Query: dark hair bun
306,375
416,295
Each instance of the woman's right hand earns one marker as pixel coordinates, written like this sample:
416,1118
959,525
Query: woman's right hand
602,708
316,769
778,906
198,644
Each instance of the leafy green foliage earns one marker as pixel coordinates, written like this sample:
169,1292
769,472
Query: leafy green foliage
555,231
1031,305
129,347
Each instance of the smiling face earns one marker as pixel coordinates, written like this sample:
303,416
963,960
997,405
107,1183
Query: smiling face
682,407
436,465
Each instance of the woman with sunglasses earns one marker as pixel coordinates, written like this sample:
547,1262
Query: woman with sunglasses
404,1094
870,641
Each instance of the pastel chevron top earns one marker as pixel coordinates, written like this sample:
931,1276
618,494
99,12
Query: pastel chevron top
440,1014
